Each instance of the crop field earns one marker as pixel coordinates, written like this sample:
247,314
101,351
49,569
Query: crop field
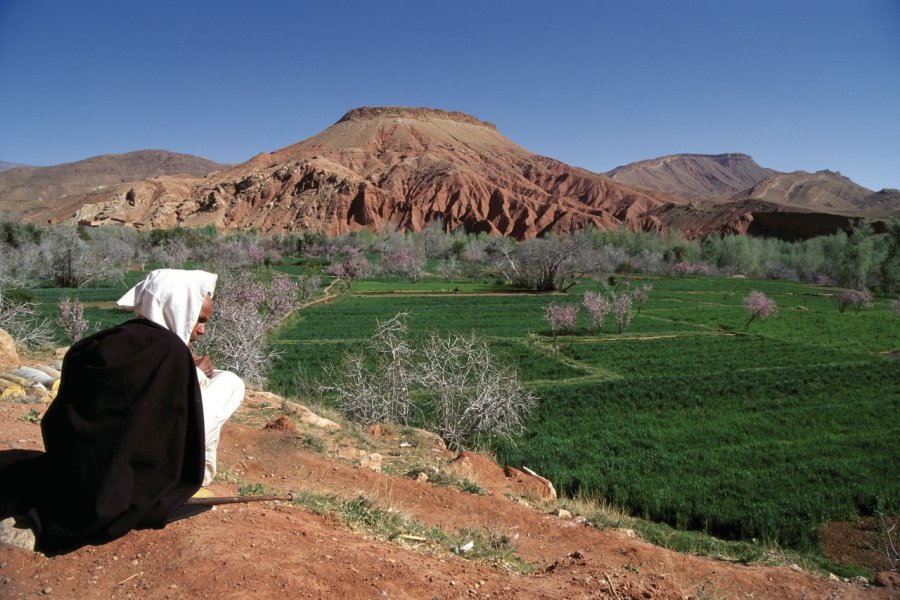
684,417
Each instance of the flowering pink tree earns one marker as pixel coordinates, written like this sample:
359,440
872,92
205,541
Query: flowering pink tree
858,299
404,262
759,305
354,266
686,268
641,294
561,317
598,307
622,310
71,318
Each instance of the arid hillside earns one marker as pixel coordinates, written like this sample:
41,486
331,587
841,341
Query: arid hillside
387,167
696,176
402,168
46,188
6,166
822,191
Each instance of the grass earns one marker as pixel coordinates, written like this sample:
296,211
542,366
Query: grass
683,419
364,515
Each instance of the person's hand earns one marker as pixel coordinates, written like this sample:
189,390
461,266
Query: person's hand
204,364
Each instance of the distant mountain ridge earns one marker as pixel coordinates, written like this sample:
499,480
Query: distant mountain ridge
6,166
693,175
824,191
24,188
401,167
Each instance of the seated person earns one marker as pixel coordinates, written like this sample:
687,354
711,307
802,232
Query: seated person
222,391
125,439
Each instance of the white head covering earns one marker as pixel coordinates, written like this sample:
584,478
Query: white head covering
171,298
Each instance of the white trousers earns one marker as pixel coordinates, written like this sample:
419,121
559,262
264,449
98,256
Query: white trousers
222,394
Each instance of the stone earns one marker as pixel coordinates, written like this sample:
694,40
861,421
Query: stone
422,477
35,375
433,439
282,423
16,532
307,416
888,579
530,483
371,461
347,453
563,514
12,392
8,353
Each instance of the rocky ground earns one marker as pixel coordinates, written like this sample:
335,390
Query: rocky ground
383,513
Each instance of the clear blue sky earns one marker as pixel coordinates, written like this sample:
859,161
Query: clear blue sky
798,85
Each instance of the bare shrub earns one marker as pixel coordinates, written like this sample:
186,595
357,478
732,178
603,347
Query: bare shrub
470,397
171,254
308,286
374,384
450,383
246,310
448,269
19,319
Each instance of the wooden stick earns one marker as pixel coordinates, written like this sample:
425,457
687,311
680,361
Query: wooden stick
239,499
128,578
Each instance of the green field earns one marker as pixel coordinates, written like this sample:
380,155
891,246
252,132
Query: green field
684,418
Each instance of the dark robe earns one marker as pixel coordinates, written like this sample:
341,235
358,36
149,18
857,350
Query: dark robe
123,440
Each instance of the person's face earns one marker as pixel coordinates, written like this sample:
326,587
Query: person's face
205,313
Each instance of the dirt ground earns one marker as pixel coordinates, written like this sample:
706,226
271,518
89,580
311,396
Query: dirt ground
268,550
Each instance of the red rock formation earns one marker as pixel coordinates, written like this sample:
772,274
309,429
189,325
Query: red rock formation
401,168
390,167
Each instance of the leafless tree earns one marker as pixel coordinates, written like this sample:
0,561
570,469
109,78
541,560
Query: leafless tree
374,384
450,383
469,396
435,241
245,312
172,254
545,264
21,321
70,260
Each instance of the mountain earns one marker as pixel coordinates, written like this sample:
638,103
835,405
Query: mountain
397,167
387,167
822,191
39,188
693,175
6,166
